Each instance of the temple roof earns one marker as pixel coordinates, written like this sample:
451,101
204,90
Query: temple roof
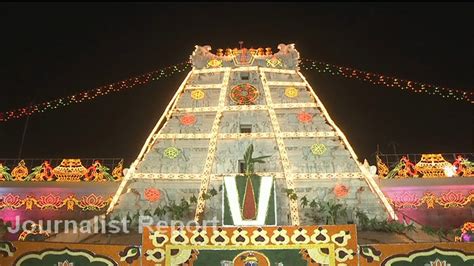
287,57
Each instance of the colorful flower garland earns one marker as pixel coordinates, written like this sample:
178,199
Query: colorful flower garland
391,82
307,64
88,95
446,200
51,201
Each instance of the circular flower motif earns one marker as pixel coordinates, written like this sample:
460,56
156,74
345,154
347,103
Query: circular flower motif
244,94
341,190
197,94
318,149
188,119
171,152
291,92
152,194
305,117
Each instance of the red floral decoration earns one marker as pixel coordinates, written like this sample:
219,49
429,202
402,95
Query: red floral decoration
92,203
188,119
244,94
49,201
451,199
305,117
10,201
54,202
152,194
406,200
341,190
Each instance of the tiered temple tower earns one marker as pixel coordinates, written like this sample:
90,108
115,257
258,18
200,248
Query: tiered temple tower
228,101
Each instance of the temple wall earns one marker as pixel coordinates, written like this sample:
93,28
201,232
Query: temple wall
229,152
335,159
203,124
211,98
191,158
205,78
259,120
359,196
289,122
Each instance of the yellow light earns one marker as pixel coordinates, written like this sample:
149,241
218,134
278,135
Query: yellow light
197,94
295,220
206,175
291,92
450,171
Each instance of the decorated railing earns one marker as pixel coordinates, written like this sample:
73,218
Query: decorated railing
69,170
425,165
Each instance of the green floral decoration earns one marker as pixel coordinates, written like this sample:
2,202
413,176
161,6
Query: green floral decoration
318,149
171,152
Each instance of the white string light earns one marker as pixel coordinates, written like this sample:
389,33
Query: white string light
234,108
277,175
265,135
146,146
206,175
286,83
295,220
203,87
368,177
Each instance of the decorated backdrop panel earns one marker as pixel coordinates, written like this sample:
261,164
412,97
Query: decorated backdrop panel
418,254
267,245
20,253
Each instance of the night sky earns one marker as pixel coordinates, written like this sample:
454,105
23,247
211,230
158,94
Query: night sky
54,50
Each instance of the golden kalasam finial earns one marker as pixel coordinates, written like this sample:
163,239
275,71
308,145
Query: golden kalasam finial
228,52
268,51
220,52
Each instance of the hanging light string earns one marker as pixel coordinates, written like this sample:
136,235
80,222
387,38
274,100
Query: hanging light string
378,79
94,93
306,64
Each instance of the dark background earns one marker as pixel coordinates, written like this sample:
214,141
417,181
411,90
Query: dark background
54,50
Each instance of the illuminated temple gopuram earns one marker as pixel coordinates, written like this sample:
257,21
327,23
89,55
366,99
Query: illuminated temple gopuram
246,143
